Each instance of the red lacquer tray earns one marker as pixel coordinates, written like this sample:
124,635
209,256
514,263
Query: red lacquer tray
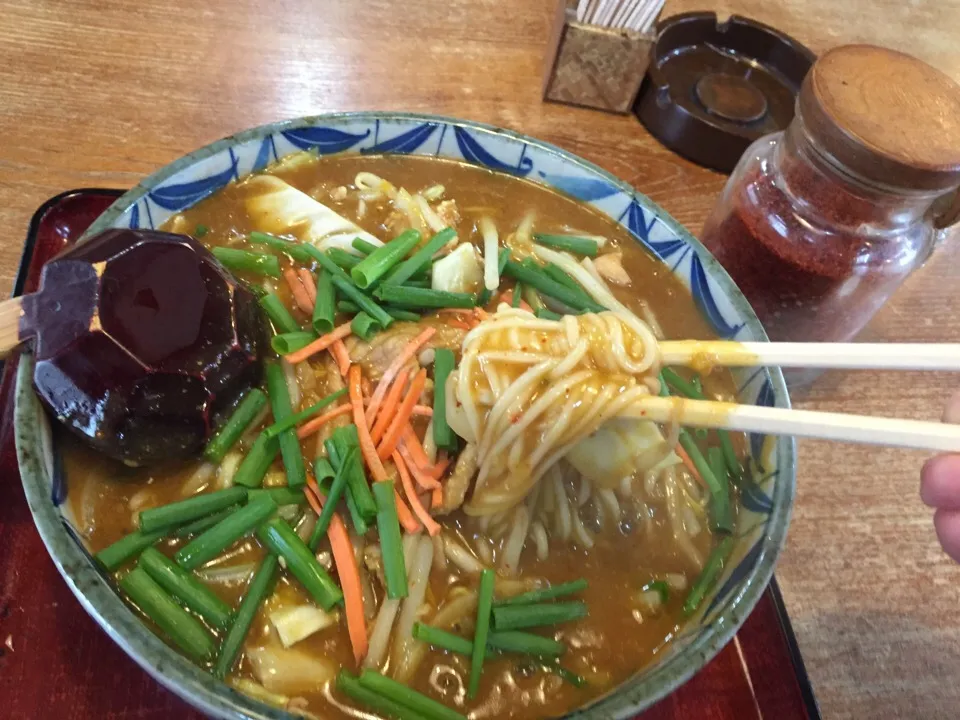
55,662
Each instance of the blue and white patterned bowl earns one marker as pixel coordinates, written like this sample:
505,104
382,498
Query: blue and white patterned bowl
181,184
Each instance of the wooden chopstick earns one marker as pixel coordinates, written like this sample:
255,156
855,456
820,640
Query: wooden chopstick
860,356
917,434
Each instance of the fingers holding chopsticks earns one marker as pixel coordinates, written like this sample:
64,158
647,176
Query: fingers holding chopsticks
940,488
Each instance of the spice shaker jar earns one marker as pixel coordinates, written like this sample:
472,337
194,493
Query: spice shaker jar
819,224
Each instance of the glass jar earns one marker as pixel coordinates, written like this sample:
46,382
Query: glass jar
819,224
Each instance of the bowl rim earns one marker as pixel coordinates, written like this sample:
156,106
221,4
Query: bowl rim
198,687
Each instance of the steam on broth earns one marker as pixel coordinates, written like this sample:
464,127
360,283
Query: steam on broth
527,476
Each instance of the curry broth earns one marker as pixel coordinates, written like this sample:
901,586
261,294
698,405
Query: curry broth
615,640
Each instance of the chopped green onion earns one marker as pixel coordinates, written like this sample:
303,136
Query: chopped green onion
323,470
525,643
286,343
730,456
720,510
533,299
484,604
281,495
680,385
333,497
290,451
566,675
364,326
443,639
708,576
348,308
115,555
323,309
288,247
246,411
424,707
246,261
660,587
518,617
351,687
184,511
545,314
517,295
345,260
550,592
345,439
256,463
664,390
570,243
362,246
200,231
283,541
391,546
214,541
724,513
186,588
421,258
297,418
537,278
410,297
555,272
356,517
257,591
362,301
373,267
443,364
185,630
204,523
281,318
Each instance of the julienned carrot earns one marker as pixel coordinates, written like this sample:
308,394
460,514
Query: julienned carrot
340,354
300,295
440,467
309,428
424,479
421,512
436,498
388,408
416,450
402,416
457,323
481,313
407,519
309,284
367,447
690,466
456,311
422,410
346,562
402,359
321,343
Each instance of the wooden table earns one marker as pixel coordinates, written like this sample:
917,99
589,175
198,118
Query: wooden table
103,93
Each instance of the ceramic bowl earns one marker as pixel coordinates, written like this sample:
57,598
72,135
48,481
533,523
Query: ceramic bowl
181,184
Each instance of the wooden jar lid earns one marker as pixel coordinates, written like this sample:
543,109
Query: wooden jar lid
885,116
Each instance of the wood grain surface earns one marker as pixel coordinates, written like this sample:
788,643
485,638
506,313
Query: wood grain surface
101,93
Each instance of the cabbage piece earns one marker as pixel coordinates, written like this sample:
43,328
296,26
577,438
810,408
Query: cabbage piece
460,271
296,622
619,449
290,671
277,207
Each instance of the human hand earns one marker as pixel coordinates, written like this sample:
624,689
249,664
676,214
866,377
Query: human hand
940,488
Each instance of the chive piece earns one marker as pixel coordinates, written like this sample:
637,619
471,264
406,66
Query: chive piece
720,507
356,517
484,604
410,297
257,591
443,364
362,246
184,511
204,523
720,512
570,243
697,383
330,504
421,258
200,231
246,261
424,284
345,260
664,390
280,495
555,272
325,262
207,546
181,627
660,587
350,686
323,470
547,593
730,457
425,707
525,643
185,587
255,465
324,308
305,414
545,314
516,297
349,308
533,299
288,247
344,440
364,302
567,676
708,576
518,617
537,278
373,267
115,555
281,318
247,409
364,326
289,442
442,639
280,538
680,385
288,342
391,546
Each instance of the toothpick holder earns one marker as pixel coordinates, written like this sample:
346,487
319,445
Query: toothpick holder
593,66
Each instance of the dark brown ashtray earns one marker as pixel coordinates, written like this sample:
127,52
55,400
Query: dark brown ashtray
712,88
